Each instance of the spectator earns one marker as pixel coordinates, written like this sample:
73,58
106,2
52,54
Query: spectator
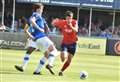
116,32
2,28
8,19
106,34
83,31
21,24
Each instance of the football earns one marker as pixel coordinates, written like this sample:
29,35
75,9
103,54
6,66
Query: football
83,75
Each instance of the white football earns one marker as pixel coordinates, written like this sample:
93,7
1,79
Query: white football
83,75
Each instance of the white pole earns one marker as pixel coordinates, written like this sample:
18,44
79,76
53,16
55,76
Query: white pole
90,20
113,22
3,9
78,12
13,16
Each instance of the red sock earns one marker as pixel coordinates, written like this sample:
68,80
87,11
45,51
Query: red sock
66,64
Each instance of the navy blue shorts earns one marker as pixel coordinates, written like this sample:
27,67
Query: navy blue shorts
71,48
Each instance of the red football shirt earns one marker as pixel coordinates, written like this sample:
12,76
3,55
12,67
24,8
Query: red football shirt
69,35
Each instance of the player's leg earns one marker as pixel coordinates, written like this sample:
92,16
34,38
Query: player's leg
71,51
46,46
51,60
27,56
25,59
42,61
62,57
52,55
66,64
64,53
31,47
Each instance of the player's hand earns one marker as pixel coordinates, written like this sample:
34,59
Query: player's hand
48,30
70,24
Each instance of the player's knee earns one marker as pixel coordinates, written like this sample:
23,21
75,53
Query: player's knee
30,50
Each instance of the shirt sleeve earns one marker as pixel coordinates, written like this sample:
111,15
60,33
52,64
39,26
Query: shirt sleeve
59,24
34,15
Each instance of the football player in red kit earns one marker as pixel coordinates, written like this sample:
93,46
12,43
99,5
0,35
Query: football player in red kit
69,29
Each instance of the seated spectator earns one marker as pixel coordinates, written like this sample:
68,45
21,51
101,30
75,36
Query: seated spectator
21,24
83,31
106,34
119,30
116,32
8,19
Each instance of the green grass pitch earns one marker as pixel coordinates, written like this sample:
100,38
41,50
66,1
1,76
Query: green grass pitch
100,68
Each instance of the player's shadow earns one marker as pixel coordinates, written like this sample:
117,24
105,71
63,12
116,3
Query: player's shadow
9,71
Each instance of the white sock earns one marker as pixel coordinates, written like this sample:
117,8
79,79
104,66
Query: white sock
41,64
51,59
25,60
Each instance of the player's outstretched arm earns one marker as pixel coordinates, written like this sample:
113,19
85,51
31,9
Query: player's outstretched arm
26,30
54,21
47,28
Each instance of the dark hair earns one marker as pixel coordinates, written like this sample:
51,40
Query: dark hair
68,13
36,6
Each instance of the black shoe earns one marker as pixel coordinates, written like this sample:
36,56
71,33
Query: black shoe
50,70
60,74
19,68
37,73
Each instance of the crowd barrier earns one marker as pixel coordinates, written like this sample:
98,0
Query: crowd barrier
19,40
86,45
113,47
12,40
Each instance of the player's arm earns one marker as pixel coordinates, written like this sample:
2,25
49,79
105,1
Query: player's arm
75,27
30,35
47,29
33,19
26,30
57,23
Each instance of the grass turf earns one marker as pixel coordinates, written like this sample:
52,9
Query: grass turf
100,68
